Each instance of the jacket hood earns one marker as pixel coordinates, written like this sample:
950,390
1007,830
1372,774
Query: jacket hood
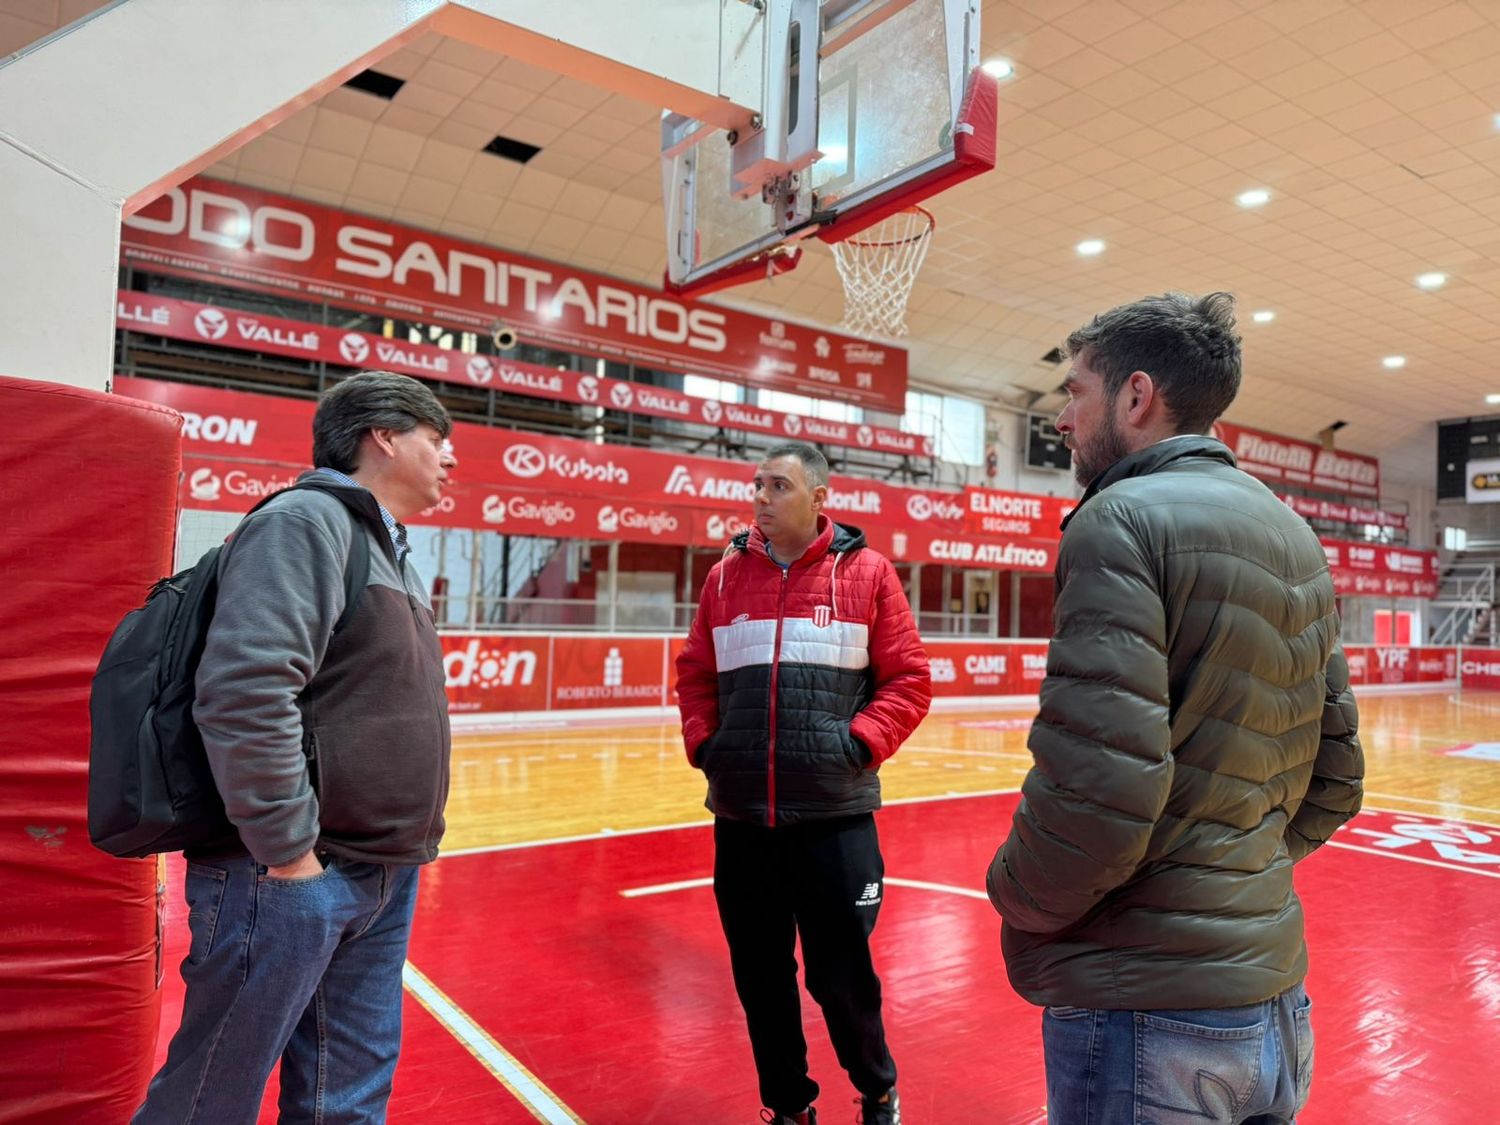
836,537
1153,459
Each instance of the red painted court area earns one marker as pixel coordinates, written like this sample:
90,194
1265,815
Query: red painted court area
623,1010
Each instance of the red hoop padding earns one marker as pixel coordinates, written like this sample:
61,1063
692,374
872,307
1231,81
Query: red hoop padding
738,273
88,495
973,150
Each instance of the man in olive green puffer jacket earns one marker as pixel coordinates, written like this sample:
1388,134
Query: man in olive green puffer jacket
1196,738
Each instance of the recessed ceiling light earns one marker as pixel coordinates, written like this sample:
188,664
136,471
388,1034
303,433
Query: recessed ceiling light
1394,361
1090,246
1432,280
1253,198
1263,316
1492,399
999,67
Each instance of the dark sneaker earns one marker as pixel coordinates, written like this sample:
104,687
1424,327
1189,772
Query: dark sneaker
808,1116
876,1112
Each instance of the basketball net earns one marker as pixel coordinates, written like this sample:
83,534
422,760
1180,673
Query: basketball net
879,268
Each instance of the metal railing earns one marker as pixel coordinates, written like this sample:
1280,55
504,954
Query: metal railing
1463,610
933,624
521,615
518,615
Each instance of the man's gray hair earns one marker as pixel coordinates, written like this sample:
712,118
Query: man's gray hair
371,400
814,464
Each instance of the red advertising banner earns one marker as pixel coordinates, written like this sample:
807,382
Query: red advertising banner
976,668
1312,509
239,447
497,672
608,672
1373,570
231,328
988,511
273,243
1480,668
1370,664
1272,458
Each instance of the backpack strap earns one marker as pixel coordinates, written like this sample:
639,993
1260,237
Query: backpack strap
356,569
356,574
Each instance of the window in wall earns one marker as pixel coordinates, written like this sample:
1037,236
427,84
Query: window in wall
701,386
956,425
827,409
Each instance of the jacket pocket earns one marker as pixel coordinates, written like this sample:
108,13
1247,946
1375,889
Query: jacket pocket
857,757
705,750
205,895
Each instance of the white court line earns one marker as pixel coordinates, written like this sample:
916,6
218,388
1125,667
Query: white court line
602,834
608,833
543,1103
1025,757
914,884
1389,854
1431,801
667,888
941,888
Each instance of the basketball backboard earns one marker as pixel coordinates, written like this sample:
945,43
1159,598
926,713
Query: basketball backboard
898,111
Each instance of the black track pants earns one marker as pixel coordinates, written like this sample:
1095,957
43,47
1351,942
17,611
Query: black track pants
823,881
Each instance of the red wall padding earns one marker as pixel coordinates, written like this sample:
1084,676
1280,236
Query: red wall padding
88,488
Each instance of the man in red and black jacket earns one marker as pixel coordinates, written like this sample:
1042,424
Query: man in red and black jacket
802,672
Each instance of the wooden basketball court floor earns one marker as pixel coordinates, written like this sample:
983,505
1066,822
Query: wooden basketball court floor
567,965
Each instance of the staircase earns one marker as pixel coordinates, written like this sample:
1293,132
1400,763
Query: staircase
1464,611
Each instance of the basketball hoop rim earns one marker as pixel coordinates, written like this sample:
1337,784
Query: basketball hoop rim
872,244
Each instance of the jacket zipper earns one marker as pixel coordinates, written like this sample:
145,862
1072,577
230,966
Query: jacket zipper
775,670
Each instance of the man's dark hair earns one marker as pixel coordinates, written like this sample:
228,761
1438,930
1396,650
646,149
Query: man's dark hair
814,464
1186,344
371,400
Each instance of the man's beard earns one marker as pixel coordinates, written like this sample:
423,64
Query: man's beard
1106,447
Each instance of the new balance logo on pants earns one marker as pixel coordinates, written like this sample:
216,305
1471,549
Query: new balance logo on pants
871,896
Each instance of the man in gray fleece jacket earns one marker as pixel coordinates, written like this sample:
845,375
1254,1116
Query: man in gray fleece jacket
330,748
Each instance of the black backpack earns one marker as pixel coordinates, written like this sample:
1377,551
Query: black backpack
150,786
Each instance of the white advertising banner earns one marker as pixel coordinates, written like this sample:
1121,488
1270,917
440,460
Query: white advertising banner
1482,481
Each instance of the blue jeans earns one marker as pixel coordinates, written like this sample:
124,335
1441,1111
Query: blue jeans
1205,1066
304,970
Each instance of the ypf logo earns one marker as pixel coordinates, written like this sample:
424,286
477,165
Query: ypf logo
211,324
524,461
588,389
864,435
792,423
609,520
712,412
204,484
621,395
493,509
354,348
479,370
919,507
